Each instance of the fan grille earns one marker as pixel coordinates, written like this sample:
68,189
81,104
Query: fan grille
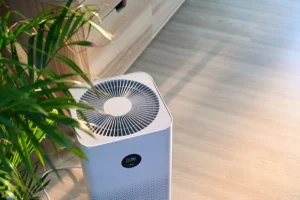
145,106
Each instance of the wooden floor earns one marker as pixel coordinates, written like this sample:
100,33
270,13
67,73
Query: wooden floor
229,71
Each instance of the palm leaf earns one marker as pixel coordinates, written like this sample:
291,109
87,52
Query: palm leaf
30,58
39,47
66,29
27,102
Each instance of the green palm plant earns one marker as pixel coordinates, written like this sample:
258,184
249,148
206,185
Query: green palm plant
29,109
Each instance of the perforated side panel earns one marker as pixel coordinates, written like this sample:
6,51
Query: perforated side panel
150,190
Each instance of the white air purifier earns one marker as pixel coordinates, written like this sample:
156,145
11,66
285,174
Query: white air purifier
130,156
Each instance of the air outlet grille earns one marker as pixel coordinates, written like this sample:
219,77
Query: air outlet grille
141,110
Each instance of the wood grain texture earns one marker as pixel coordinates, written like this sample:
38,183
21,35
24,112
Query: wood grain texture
229,72
127,26
162,11
76,53
128,55
103,6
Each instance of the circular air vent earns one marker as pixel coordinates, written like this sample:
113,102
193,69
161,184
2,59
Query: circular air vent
123,107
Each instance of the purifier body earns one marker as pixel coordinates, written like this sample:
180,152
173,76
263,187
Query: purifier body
129,157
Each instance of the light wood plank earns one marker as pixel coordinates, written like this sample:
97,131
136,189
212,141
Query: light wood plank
104,7
127,56
229,73
127,26
162,11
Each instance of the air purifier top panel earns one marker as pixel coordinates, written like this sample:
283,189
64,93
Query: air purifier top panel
123,107
126,106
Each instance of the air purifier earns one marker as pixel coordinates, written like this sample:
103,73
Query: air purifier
129,157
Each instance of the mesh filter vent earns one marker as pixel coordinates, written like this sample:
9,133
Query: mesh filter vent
150,190
144,109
